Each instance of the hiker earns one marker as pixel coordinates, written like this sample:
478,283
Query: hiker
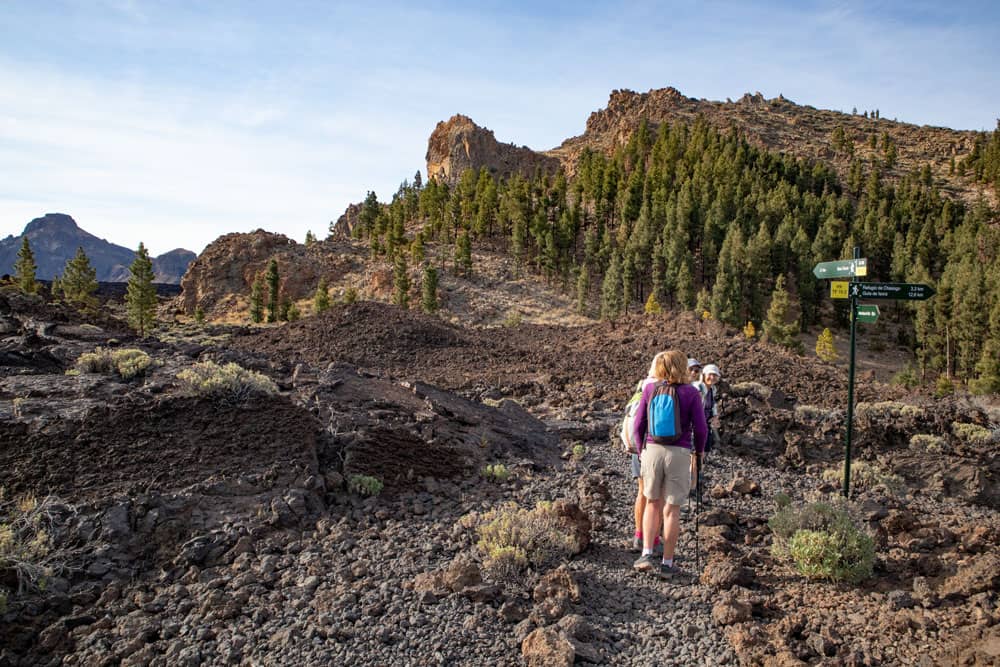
630,447
694,370
708,387
668,414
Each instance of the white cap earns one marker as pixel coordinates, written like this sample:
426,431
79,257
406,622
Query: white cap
711,369
692,363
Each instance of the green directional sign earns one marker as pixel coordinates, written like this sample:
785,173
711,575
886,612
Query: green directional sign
844,268
905,291
867,313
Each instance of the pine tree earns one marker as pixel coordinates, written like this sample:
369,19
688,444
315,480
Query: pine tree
652,306
79,280
750,331
703,305
582,289
199,314
401,283
417,248
25,268
310,238
463,254
726,300
684,287
272,278
257,300
140,295
988,368
611,290
776,330
429,288
292,313
824,346
321,300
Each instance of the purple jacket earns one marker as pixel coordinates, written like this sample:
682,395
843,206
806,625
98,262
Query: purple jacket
692,418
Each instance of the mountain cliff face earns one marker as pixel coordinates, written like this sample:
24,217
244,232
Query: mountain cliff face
459,144
55,237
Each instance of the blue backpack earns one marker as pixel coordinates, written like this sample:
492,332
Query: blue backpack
664,415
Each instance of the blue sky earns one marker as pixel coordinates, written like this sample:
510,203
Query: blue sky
176,122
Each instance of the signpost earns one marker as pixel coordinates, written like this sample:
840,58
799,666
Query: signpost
867,313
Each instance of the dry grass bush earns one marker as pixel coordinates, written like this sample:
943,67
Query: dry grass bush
974,434
28,555
126,363
822,541
496,472
512,538
812,413
887,409
755,389
932,444
865,475
230,382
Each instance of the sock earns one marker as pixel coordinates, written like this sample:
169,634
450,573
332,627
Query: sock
668,562
647,552
656,541
638,534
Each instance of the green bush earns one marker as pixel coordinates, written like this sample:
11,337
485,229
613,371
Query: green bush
823,542
512,537
126,363
972,433
496,472
364,485
27,555
932,444
906,377
944,387
231,382
579,451
755,389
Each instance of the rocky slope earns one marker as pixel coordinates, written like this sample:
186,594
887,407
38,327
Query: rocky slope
777,124
55,237
207,531
458,144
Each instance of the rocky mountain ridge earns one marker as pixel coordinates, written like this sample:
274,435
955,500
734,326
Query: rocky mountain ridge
776,124
55,237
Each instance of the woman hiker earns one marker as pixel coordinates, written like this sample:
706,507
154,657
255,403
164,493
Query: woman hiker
630,447
708,387
668,414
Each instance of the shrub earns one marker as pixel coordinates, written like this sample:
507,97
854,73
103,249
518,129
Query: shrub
932,444
944,387
126,363
865,475
824,346
579,451
514,537
27,555
754,389
496,472
364,485
812,413
823,542
513,319
750,331
230,382
350,295
886,409
971,433
906,377
782,500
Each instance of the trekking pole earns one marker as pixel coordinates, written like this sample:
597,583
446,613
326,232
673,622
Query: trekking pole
697,513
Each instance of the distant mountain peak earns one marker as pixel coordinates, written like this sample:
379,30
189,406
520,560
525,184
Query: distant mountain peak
51,222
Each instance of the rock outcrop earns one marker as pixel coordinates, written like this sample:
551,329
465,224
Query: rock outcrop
55,237
458,144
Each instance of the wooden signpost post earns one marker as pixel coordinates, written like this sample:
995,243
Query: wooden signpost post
867,313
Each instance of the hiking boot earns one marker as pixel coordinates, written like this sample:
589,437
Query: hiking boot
645,563
658,548
668,572
636,544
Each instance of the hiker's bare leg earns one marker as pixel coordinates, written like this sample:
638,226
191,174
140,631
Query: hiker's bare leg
671,528
651,522
640,507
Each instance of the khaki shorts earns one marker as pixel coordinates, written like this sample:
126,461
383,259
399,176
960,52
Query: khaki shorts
666,473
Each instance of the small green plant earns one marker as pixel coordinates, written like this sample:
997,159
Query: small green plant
865,475
199,315
512,537
231,382
973,434
812,413
579,451
782,500
350,295
822,541
127,363
27,554
72,372
887,409
496,472
943,387
513,319
364,485
906,377
932,444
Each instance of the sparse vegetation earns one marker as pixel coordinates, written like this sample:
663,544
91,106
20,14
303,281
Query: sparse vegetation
350,295
28,556
824,346
812,413
865,475
823,542
513,319
230,382
579,451
364,485
755,389
887,409
974,434
127,363
495,472
932,444
943,387
906,377
512,537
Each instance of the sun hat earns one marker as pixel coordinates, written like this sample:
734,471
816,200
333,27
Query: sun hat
711,369
692,363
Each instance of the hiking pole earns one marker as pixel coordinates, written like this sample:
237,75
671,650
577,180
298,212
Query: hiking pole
697,512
